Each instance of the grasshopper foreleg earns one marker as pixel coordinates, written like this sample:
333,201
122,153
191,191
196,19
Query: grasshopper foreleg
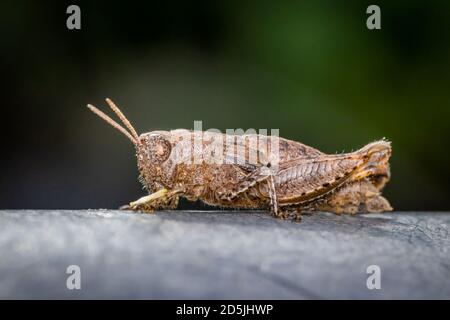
161,199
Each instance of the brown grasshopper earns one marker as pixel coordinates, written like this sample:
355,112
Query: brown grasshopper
284,176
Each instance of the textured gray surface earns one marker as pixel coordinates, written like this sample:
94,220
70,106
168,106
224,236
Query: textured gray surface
222,255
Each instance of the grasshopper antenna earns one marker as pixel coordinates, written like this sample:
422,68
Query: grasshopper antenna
122,117
102,115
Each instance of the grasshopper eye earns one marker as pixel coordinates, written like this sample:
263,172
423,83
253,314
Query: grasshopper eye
158,149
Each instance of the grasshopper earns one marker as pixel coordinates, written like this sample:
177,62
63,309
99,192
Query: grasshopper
285,177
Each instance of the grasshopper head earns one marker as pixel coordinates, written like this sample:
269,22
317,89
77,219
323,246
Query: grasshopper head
153,147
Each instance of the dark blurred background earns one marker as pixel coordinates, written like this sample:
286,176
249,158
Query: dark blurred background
311,69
